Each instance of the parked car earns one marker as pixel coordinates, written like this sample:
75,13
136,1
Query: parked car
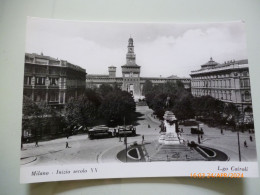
196,130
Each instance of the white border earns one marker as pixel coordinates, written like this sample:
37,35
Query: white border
130,170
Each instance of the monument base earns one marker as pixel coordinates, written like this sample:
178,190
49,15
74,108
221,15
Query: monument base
171,139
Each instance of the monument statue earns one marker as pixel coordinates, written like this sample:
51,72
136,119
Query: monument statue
167,103
171,135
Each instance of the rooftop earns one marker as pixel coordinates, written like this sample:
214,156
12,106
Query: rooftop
30,58
232,64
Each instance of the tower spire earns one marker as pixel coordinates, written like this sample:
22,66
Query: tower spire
130,56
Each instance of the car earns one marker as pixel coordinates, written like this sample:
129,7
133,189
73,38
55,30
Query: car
196,130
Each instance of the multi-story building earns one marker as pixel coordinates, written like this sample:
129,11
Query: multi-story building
131,80
51,80
228,82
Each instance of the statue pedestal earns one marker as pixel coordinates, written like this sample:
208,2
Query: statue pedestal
171,139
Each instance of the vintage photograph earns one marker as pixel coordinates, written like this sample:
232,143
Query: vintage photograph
104,92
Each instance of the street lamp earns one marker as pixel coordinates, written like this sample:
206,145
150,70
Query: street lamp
125,141
238,142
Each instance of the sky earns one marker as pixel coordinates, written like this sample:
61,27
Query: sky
162,49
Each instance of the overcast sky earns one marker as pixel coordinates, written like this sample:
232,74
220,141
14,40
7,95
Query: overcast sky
161,48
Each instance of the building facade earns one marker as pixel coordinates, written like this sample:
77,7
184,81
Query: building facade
228,82
131,72
131,80
51,80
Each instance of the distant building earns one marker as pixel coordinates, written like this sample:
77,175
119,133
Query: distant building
51,80
130,80
228,82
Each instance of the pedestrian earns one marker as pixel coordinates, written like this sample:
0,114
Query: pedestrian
182,130
149,126
221,131
142,138
245,144
67,145
251,138
36,143
198,138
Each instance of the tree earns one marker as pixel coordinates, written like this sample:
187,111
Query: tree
116,106
35,117
29,108
183,108
104,89
80,111
148,87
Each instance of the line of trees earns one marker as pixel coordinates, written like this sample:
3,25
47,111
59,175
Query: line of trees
40,120
185,106
105,105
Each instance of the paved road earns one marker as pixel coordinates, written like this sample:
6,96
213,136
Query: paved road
83,150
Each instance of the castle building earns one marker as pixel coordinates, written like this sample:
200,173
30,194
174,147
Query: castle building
131,80
228,82
51,80
131,72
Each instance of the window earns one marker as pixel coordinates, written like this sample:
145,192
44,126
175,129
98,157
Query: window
27,80
245,83
245,73
54,97
40,80
247,96
54,81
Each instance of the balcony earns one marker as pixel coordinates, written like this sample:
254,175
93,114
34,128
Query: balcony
53,102
40,87
53,86
27,86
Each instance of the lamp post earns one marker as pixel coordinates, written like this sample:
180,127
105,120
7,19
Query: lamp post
238,142
125,141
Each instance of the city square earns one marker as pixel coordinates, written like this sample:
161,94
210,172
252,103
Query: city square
71,116
82,150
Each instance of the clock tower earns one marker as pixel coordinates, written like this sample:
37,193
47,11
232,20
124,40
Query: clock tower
131,72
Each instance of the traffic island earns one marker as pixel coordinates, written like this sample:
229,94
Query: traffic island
133,154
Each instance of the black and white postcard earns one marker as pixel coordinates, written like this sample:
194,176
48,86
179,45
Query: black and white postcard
118,100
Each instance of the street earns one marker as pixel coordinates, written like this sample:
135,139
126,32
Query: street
82,150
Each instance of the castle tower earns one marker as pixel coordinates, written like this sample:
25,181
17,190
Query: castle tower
112,71
131,72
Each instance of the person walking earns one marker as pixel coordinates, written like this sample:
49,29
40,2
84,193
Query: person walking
245,144
67,145
36,143
251,138
198,138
